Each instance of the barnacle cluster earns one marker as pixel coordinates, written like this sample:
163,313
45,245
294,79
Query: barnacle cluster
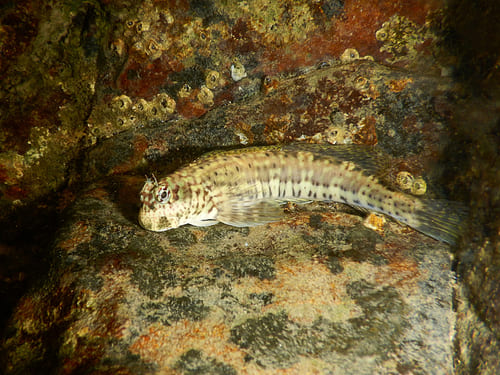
406,181
145,32
400,36
123,112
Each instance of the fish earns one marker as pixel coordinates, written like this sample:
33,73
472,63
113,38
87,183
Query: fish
247,187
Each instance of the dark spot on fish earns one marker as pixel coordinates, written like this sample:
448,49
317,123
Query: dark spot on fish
237,169
356,201
267,154
370,195
370,205
342,198
336,185
249,165
325,185
274,165
310,193
324,195
363,193
216,174
330,196
299,193
315,196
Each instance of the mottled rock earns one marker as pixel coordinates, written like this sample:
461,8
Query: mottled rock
95,91
223,300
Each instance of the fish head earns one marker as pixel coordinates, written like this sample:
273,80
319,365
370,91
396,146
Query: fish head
161,209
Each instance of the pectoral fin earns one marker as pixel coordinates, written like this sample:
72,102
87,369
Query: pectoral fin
246,213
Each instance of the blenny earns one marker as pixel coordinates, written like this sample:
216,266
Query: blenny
246,187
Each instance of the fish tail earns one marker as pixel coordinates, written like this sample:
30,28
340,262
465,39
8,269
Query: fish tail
441,219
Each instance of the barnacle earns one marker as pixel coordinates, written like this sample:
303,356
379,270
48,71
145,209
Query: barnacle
165,103
237,70
419,186
153,49
212,79
405,180
334,135
349,55
152,110
269,84
185,91
400,36
361,83
206,96
141,106
122,102
118,46
166,16
381,34
142,26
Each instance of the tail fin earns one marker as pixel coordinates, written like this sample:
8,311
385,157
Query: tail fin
441,219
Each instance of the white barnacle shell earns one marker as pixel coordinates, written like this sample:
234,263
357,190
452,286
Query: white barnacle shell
237,71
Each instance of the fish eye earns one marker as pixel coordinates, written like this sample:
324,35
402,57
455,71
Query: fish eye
163,194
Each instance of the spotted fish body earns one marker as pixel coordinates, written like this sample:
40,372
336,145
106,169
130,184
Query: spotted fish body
245,188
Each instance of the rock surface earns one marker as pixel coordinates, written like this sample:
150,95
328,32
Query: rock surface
316,293
94,94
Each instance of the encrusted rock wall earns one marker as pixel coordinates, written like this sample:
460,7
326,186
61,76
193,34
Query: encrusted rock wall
94,94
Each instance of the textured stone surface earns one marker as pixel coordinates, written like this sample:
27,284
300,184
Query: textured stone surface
97,93
317,292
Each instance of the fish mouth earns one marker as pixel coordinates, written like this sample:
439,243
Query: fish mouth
153,222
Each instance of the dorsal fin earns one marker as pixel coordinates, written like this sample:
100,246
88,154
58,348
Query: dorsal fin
367,158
